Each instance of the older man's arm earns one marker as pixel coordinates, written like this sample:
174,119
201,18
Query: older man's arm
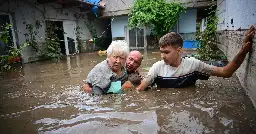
149,79
127,85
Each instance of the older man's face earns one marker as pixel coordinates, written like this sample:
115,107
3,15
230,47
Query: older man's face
133,62
116,62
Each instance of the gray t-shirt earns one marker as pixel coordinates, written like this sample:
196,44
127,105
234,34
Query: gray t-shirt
102,76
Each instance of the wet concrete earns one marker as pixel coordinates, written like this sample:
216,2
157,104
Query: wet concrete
44,97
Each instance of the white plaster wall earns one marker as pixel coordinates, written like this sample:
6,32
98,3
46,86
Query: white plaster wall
117,26
243,13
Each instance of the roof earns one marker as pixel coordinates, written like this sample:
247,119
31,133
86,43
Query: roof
72,3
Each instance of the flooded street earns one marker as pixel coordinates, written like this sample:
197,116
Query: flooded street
45,97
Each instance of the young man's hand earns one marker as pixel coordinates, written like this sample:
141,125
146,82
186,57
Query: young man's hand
248,39
232,66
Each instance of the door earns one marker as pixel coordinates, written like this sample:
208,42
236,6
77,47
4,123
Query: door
69,28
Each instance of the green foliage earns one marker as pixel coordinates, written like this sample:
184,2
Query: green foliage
5,33
52,49
159,15
31,36
208,49
8,61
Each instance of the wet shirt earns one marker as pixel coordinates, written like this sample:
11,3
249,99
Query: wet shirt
186,74
102,76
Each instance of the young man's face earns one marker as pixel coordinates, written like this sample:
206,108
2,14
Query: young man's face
170,54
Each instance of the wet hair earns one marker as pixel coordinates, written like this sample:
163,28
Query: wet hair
171,39
118,48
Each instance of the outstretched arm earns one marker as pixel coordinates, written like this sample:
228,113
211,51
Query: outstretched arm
232,66
143,85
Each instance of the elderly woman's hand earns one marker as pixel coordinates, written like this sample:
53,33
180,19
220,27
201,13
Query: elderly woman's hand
86,88
127,85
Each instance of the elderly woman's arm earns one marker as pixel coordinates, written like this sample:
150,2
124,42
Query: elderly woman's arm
99,76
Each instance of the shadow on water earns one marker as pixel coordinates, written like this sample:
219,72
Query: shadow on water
45,97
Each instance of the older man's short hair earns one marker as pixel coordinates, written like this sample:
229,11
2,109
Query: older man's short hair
118,47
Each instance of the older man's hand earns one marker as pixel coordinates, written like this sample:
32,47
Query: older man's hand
86,88
127,85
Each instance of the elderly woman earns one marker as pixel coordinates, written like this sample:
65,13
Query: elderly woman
109,74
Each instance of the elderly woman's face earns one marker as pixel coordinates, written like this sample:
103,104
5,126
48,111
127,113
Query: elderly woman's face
116,62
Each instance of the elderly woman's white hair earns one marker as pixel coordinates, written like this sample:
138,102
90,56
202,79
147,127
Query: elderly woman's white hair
118,48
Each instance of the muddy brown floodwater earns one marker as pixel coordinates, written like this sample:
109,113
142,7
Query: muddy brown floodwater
44,97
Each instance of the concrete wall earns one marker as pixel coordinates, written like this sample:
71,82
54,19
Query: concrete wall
29,11
243,13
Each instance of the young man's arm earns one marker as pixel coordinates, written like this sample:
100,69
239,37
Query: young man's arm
143,85
232,66
149,79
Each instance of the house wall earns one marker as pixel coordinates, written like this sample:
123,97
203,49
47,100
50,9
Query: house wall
122,7
187,24
243,13
187,21
118,25
29,11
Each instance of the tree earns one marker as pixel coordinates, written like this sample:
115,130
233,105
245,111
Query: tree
159,15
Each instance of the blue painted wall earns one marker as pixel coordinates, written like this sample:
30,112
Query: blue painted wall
117,26
187,21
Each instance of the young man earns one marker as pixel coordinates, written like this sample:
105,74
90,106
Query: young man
176,72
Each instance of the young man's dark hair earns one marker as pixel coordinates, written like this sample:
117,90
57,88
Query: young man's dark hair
172,39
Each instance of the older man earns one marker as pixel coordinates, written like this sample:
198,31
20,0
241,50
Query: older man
133,62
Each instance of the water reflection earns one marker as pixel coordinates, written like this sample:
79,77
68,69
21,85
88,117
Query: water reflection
108,122
45,97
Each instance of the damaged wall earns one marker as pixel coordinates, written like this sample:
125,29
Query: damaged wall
30,12
235,16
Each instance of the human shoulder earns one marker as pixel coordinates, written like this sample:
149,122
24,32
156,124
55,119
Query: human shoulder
159,64
198,65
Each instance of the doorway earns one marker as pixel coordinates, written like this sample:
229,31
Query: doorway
57,28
